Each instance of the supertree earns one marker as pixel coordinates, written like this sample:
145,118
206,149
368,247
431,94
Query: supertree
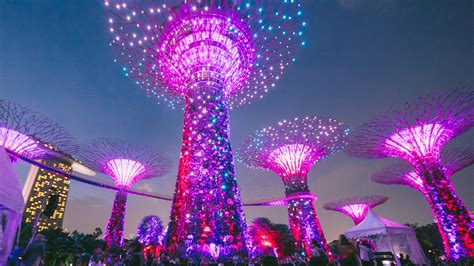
126,163
31,134
356,207
452,161
150,231
290,149
214,55
417,132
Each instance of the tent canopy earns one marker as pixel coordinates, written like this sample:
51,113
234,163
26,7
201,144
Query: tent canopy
374,224
10,188
11,204
389,236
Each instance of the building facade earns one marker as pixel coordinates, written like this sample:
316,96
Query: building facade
46,195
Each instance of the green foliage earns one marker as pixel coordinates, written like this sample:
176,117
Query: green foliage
63,247
285,238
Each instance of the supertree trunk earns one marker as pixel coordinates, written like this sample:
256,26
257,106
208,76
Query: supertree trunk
303,219
114,232
452,217
206,202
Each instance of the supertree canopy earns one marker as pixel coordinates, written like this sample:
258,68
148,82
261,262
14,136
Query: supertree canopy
356,207
213,55
417,132
30,134
452,161
126,163
150,231
290,149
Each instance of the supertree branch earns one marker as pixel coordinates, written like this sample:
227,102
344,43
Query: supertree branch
417,133
126,163
456,159
290,149
30,134
213,55
169,45
356,207
452,161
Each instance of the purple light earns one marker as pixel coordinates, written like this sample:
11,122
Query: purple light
30,134
124,171
168,46
417,133
290,149
126,163
290,159
452,161
420,142
17,142
214,55
358,211
356,207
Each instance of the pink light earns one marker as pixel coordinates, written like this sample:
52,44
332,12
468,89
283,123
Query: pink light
218,48
356,211
124,171
418,143
415,181
17,142
293,159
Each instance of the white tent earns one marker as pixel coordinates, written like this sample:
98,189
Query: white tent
11,205
389,236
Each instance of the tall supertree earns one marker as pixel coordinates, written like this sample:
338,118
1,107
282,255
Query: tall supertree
31,134
126,163
452,161
290,149
356,207
213,55
417,132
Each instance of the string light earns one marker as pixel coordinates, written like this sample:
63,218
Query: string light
213,55
290,149
126,163
417,132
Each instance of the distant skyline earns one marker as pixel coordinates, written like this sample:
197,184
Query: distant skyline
362,57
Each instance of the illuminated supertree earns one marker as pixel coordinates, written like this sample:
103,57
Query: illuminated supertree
417,133
452,161
126,163
30,134
356,207
290,149
213,55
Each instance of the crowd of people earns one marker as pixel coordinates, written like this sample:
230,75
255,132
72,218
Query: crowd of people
344,253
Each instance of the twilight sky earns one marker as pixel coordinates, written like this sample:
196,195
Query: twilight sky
362,57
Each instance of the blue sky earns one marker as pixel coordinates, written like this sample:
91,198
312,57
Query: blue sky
362,57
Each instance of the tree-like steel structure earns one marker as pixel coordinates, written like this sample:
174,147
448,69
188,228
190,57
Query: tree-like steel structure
126,163
417,133
31,134
213,55
290,149
356,207
452,161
